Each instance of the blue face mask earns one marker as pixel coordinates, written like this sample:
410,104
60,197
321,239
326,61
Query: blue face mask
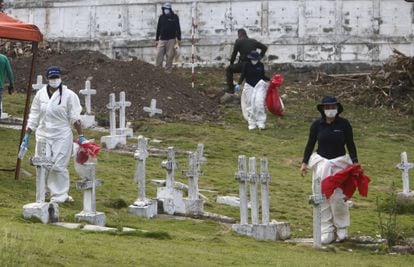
254,62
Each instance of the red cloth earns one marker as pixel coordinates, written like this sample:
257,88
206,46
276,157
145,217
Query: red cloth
348,180
86,150
273,102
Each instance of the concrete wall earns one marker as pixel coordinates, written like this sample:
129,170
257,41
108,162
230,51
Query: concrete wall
304,32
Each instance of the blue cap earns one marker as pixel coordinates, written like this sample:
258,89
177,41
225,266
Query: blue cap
167,6
253,55
53,72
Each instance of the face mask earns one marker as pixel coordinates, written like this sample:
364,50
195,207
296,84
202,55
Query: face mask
254,62
166,11
331,113
55,82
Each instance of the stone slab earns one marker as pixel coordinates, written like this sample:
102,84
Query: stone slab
95,218
88,227
171,200
4,116
113,141
193,206
45,212
128,132
150,210
272,231
231,201
405,197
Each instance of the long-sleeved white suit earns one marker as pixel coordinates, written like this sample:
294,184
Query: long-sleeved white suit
335,217
253,104
52,123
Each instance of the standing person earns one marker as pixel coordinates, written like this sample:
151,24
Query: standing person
243,46
332,133
254,91
55,108
168,35
5,69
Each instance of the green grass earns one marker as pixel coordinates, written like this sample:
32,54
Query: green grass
380,136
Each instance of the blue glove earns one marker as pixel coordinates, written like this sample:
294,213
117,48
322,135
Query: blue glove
25,142
237,87
81,139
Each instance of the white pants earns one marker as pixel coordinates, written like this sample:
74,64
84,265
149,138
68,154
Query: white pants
253,104
335,217
57,177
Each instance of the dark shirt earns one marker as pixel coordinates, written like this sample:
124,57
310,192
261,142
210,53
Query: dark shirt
332,139
244,46
168,27
253,73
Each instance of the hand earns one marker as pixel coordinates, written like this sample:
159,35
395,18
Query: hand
81,139
303,169
25,142
11,89
237,87
156,43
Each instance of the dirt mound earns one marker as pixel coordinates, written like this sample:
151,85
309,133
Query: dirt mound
140,81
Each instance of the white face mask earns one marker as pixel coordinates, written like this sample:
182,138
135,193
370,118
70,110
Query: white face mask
254,62
166,11
55,82
331,113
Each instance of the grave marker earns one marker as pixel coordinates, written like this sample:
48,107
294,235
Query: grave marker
45,212
88,183
39,83
406,195
143,206
273,230
88,120
113,140
123,130
316,200
152,109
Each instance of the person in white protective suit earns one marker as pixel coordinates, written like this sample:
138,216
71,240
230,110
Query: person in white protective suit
54,109
254,91
332,133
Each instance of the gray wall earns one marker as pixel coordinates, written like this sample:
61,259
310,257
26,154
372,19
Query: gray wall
303,32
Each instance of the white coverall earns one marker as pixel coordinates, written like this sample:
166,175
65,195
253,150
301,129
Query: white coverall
253,104
53,125
335,211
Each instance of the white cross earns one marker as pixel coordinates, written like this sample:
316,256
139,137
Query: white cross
122,104
152,109
405,166
39,83
112,106
87,92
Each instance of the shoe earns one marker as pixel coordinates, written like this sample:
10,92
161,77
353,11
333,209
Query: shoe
327,238
342,234
261,126
252,127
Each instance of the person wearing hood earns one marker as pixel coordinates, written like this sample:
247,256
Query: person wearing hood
254,91
168,35
54,110
333,133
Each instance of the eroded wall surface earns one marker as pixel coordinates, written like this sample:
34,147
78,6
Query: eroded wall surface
297,31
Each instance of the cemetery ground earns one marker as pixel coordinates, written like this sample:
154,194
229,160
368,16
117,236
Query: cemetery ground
380,135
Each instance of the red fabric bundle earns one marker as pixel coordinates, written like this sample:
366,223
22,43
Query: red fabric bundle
348,180
86,150
273,102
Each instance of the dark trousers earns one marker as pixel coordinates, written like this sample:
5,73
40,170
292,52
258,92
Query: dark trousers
235,68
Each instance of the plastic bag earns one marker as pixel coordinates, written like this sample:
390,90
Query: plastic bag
86,151
273,101
177,53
